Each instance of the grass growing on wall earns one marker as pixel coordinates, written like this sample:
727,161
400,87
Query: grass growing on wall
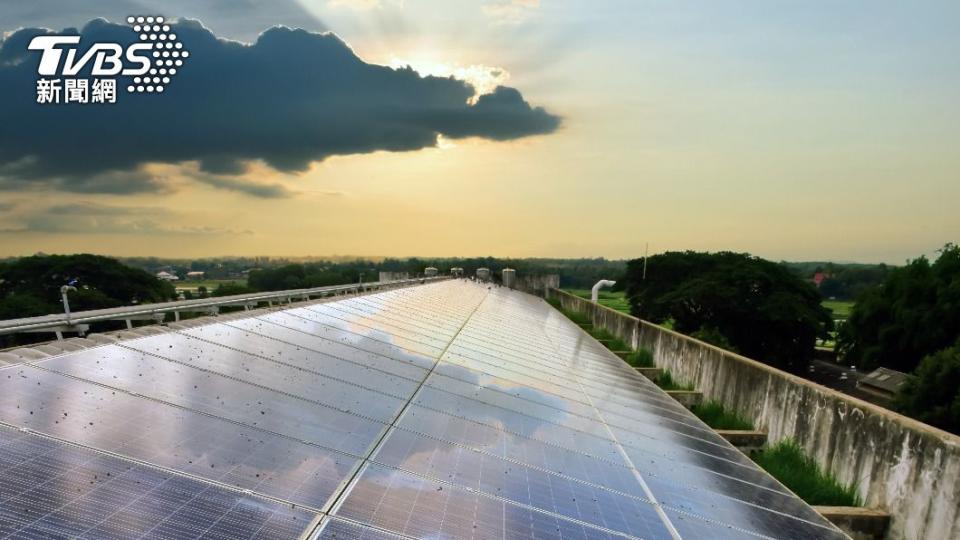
787,462
613,300
609,340
574,316
641,358
715,415
666,382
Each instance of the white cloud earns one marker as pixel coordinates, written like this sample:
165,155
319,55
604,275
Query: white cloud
511,11
364,5
85,217
483,79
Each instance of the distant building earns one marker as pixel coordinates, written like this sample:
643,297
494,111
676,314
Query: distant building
195,275
167,276
883,382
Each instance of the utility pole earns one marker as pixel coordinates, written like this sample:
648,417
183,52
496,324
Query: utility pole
646,252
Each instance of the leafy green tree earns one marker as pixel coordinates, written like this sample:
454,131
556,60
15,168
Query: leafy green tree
713,336
290,276
230,289
933,395
32,284
758,307
914,313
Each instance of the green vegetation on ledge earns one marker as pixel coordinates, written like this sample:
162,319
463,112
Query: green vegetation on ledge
787,462
715,415
612,299
639,358
574,316
609,340
642,358
666,382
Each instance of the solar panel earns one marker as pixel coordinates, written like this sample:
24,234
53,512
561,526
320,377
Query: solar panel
226,397
177,438
422,508
301,350
445,410
54,490
339,529
283,367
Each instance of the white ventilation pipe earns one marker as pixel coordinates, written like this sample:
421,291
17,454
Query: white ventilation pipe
595,291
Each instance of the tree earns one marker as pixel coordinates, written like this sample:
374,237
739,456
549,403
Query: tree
33,284
230,289
30,286
933,396
759,307
914,313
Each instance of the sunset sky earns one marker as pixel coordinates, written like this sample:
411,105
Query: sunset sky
799,130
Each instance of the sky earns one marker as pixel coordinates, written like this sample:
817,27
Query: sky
796,130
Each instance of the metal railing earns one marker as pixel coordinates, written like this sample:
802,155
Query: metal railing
79,321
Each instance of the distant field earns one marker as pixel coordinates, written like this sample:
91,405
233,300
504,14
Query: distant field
210,284
613,300
840,308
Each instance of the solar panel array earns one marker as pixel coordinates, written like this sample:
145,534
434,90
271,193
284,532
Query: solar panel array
450,410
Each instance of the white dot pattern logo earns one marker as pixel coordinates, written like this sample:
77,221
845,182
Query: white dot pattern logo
167,53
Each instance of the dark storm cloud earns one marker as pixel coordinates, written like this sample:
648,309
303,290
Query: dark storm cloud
290,99
265,191
235,19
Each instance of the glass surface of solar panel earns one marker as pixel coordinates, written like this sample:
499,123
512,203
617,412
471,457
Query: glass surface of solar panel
172,437
302,350
614,474
556,413
424,322
361,337
378,329
529,392
516,422
220,396
338,529
286,368
516,482
407,504
407,326
329,340
54,490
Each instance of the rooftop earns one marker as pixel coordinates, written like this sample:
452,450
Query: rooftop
451,409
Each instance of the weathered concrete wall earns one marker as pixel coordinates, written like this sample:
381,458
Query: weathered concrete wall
908,468
537,284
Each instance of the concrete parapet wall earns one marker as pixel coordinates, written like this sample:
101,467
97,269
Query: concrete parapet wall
903,466
537,284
